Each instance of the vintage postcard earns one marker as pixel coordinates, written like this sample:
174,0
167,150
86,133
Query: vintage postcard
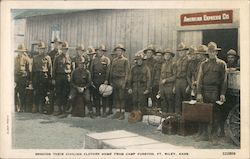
124,79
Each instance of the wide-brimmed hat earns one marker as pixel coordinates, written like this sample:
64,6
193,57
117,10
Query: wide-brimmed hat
56,40
169,51
150,47
81,47
119,46
159,50
182,47
192,50
41,45
21,48
232,52
65,45
202,49
138,56
101,47
91,50
213,46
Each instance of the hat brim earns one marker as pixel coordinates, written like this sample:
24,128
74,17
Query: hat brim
184,49
148,49
119,48
21,50
41,47
56,41
173,54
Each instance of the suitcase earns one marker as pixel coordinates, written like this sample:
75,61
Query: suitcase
192,114
198,112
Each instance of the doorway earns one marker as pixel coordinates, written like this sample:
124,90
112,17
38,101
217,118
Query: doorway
224,38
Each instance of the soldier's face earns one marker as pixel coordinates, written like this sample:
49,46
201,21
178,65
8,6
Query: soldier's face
57,45
41,51
167,56
119,52
99,53
79,52
182,53
231,59
139,62
149,53
81,65
158,57
64,51
212,54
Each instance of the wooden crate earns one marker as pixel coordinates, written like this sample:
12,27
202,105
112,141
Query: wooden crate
198,112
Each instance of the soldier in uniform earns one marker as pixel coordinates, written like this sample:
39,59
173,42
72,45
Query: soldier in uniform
99,69
91,53
22,74
192,71
150,61
80,50
61,77
232,59
118,78
111,97
181,85
211,87
57,44
42,74
57,49
167,81
156,73
80,83
139,83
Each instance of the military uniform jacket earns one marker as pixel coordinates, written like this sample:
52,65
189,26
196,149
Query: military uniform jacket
22,65
119,68
181,67
156,73
139,76
77,59
62,65
80,78
99,70
168,72
150,63
212,75
192,71
53,54
42,63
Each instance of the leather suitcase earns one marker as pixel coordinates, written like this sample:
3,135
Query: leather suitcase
198,112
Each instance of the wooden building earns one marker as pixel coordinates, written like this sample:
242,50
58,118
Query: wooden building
135,28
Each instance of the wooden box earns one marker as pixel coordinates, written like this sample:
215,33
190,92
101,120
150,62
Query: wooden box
198,112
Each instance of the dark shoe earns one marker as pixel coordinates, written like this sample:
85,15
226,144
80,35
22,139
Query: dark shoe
122,116
57,113
116,115
104,115
204,138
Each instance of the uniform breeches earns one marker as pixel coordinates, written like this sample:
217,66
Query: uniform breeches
180,94
167,97
62,90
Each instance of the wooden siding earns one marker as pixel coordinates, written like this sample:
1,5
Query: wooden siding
133,28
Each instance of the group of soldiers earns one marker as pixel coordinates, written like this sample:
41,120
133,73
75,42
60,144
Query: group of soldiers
156,74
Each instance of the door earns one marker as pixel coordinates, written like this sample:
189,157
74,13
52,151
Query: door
224,38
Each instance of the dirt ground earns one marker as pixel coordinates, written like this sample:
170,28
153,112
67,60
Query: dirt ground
39,131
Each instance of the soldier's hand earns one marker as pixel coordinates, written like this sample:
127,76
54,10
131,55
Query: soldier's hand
187,89
146,92
173,90
130,91
222,98
53,82
106,82
123,86
163,81
199,98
